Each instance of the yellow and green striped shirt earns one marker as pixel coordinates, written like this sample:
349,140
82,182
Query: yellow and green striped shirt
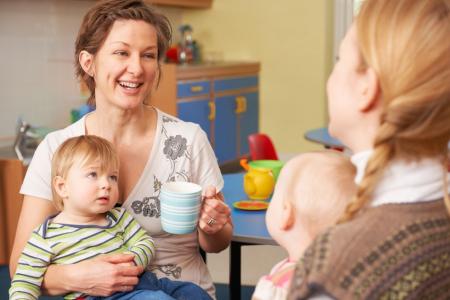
53,243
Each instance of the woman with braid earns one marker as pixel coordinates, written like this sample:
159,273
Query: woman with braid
389,102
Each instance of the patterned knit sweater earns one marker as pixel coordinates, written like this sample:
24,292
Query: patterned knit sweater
392,251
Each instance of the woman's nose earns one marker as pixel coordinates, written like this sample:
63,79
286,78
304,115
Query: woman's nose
135,65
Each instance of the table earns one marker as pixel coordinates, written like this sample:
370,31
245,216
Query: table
249,229
322,136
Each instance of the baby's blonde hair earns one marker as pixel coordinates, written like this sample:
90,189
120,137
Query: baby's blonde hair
319,185
406,43
81,150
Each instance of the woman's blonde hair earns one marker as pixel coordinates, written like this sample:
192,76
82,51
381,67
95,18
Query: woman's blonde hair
406,43
82,150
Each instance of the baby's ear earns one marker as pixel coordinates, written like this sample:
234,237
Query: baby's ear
60,186
288,215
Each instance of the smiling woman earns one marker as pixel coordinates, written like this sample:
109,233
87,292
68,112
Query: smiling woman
125,66
118,50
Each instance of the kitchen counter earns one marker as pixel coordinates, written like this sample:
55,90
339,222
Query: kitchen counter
8,152
217,69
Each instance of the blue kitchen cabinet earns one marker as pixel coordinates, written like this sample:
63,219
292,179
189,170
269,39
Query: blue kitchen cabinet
224,102
247,121
225,129
196,111
236,100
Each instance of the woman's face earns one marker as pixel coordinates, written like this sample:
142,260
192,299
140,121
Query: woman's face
342,88
126,65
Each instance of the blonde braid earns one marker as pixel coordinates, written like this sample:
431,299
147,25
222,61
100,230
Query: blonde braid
383,153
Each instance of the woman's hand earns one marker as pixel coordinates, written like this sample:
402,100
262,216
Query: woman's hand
214,222
215,213
100,276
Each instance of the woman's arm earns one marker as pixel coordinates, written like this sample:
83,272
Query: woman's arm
88,276
34,211
215,236
101,276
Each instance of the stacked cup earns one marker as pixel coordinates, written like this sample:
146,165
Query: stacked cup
180,206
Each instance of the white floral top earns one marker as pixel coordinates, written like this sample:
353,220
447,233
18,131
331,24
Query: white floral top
181,152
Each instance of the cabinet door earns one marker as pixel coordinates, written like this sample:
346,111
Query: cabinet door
196,111
247,121
225,138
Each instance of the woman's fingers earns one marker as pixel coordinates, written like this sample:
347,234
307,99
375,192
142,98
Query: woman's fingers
215,214
117,258
108,274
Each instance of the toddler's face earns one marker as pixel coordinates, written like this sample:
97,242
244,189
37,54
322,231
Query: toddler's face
89,191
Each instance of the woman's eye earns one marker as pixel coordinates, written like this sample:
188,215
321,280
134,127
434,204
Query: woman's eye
121,53
150,55
92,175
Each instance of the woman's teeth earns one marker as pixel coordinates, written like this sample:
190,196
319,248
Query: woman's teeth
130,85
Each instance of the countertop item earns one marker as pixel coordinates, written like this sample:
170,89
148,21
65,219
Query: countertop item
8,152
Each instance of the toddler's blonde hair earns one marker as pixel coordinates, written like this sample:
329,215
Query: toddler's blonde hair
81,150
319,185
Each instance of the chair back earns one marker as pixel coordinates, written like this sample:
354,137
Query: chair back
261,147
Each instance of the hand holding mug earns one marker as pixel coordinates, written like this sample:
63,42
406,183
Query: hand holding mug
215,213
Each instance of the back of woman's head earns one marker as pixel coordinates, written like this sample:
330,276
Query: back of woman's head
406,43
98,22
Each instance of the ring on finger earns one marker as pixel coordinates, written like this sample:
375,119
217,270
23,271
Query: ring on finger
211,221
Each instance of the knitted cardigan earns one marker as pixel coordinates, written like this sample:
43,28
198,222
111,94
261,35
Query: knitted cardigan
392,251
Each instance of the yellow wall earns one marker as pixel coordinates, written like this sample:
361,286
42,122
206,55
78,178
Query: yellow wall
292,39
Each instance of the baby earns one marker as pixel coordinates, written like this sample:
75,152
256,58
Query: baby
85,173
311,193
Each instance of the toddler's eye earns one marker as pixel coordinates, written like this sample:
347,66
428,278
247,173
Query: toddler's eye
92,175
114,178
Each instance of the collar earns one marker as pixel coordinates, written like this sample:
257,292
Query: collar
404,182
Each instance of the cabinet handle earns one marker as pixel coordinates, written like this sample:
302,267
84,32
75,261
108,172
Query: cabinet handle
240,104
244,104
196,88
212,111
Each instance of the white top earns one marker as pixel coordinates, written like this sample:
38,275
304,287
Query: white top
181,152
404,182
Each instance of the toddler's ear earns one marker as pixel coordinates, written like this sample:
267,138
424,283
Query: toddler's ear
287,215
60,186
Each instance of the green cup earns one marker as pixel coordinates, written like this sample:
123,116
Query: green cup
274,165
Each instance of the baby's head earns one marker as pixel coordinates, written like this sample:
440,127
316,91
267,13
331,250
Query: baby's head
80,161
311,194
